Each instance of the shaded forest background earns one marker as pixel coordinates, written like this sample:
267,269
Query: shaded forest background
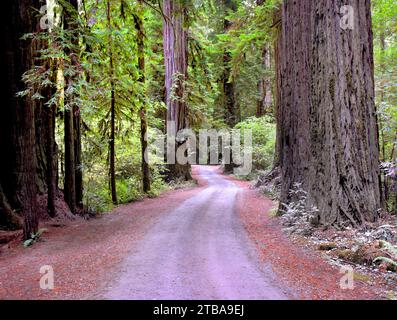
89,80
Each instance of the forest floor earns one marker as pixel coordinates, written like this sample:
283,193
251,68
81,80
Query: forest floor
101,258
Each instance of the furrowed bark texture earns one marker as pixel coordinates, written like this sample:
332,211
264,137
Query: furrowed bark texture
175,37
17,135
329,133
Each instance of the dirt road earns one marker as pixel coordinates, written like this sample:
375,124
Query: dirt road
196,243
199,250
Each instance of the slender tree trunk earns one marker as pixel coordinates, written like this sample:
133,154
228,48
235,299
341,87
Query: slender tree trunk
41,143
264,86
380,122
17,130
112,146
232,112
77,157
138,19
329,133
72,138
70,164
51,148
264,103
176,64
277,87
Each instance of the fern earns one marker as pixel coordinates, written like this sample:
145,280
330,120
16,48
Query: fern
390,249
387,260
34,238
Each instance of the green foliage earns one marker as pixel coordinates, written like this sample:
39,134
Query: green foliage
385,48
264,137
34,238
392,250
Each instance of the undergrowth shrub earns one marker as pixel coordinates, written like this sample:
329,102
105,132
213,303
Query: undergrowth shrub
297,215
263,141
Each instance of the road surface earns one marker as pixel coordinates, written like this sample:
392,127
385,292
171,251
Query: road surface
197,251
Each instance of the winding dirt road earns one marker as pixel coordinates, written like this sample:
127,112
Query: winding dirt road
199,250
193,243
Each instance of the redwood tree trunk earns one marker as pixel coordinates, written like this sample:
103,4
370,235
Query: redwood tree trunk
232,112
277,86
138,19
264,103
73,175
176,64
51,148
17,135
70,164
45,137
328,123
77,157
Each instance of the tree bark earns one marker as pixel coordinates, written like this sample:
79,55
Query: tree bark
45,136
70,164
263,83
231,107
328,123
112,145
17,135
138,19
264,103
232,112
51,147
78,155
8,219
176,64
277,88
73,186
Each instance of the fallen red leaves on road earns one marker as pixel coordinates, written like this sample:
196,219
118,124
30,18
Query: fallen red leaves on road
304,271
84,254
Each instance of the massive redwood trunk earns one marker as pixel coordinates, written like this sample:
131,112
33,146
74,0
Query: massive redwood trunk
17,135
329,140
175,37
